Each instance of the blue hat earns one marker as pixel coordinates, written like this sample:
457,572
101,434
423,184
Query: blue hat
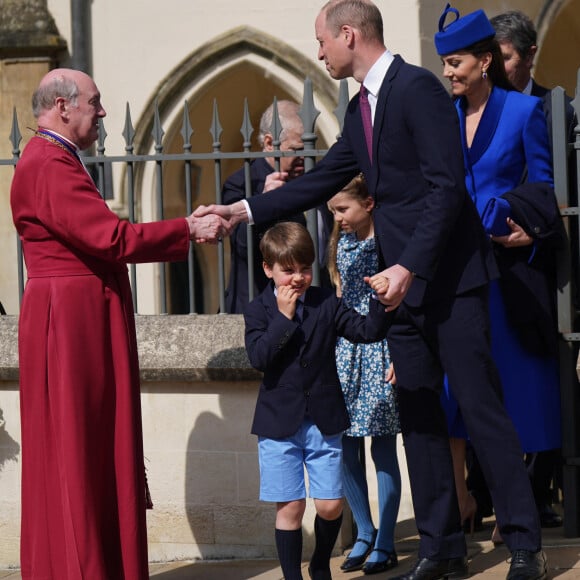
462,32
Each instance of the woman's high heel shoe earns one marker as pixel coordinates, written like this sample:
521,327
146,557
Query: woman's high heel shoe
468,512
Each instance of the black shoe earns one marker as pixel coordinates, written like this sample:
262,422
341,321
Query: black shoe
426,569
377,567
528,565
548,517
356,563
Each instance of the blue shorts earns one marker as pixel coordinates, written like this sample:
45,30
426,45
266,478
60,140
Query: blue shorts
282,463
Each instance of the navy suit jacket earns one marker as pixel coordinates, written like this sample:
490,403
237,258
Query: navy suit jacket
298,359
424,218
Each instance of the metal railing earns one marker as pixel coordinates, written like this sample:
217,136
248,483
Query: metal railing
566,159
566,172
100,166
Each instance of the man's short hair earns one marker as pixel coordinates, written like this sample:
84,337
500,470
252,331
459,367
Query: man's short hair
360,14
45,95
287,243
516,27
289,115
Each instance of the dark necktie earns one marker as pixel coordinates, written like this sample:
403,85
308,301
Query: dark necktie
365,111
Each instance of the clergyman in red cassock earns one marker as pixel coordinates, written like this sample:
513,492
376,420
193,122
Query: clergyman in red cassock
83,474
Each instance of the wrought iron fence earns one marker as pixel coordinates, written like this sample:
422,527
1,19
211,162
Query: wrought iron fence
100,165
566,172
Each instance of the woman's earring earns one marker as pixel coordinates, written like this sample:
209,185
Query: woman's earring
483,74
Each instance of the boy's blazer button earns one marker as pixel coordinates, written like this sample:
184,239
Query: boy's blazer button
303,364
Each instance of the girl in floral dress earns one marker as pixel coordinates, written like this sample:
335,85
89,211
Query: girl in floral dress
367,380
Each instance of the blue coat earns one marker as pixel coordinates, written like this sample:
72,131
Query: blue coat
512,143
511,139
298,360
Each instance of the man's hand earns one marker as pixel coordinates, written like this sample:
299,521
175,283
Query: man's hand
275,180
392,292
516,238
233,214
207,229
286,298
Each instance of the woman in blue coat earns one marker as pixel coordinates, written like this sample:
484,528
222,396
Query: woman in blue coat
505,145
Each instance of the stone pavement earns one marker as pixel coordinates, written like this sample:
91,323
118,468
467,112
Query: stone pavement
486,561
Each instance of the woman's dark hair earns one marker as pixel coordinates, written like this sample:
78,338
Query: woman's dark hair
496,71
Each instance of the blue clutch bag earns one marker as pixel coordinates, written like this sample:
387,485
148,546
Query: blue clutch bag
494,217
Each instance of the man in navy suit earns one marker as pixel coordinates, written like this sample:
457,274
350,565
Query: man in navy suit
438,263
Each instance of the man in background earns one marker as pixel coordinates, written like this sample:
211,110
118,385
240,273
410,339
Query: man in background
262,180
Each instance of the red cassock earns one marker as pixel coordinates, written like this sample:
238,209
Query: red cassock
83,475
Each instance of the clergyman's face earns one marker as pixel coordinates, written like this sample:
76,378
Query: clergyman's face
83,119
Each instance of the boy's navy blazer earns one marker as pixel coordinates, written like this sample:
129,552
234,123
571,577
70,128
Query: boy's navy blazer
424,217
298,359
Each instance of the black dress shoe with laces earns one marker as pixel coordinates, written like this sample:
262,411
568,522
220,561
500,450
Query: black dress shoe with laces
426,569
528,565
378,567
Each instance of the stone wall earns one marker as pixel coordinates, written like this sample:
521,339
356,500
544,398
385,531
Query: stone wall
198,396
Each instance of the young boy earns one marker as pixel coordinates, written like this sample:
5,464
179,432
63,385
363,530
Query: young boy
291,332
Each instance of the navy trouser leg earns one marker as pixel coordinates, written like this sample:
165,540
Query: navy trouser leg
425,439
475,382
454,338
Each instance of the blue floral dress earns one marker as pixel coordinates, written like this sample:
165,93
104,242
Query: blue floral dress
362,368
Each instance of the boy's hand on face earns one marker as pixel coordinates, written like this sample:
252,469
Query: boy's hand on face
286,298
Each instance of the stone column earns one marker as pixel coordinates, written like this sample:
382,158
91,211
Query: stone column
30,46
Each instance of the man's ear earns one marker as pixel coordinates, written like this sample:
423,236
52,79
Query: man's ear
347,32
60,105
268,142
531,55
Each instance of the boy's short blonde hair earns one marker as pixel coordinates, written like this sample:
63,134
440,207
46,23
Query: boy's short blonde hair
287,243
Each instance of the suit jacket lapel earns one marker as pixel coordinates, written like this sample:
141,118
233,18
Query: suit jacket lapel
379,120
270,301
487,125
